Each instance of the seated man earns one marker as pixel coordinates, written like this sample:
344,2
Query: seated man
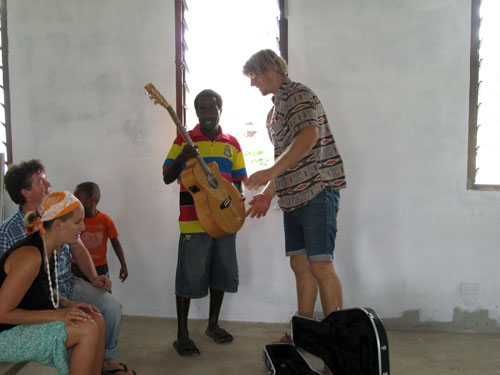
27,186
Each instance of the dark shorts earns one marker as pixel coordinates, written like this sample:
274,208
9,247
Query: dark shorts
204,262
312,229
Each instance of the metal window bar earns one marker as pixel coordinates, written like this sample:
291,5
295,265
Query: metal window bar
5,82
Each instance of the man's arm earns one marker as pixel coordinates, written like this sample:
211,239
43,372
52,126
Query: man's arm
173,170
86,265
298,149
11,231
4,243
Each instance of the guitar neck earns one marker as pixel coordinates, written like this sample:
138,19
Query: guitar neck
187,138
159,99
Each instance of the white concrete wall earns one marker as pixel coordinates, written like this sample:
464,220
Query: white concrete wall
393,76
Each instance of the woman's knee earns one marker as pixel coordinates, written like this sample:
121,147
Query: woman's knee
97,318
99,321
84,331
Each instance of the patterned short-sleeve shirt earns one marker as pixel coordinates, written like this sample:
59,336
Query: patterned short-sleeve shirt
296,107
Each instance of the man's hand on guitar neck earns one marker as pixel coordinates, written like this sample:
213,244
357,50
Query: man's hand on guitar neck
173,171
188,152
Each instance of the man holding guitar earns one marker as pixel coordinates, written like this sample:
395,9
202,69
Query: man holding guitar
205,263
306,176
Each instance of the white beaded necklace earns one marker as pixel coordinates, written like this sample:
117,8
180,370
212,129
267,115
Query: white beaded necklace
55,301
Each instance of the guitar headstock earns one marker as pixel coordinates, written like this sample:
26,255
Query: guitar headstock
155,95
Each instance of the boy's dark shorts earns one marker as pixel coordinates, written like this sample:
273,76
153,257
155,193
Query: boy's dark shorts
204,262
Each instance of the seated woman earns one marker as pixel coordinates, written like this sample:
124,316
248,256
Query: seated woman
35,324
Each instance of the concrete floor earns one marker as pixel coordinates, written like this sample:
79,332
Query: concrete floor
146,346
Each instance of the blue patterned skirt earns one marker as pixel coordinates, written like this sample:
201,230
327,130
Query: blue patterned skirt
42,343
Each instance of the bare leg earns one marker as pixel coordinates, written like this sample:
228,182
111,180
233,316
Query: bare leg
99,348
307,286
182,304
184,345
84,340
219,335
330,287
216,298
330,291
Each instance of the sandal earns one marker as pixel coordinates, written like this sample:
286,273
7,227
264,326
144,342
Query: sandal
186,347
219,335
124,369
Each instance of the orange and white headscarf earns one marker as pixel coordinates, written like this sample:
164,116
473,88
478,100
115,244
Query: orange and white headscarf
58,204
53,206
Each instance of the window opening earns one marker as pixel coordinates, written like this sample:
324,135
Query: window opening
5,132
218,37
484,110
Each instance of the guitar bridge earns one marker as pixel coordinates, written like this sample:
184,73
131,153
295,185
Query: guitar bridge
225,203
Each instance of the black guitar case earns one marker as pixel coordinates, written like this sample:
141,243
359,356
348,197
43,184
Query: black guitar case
350,342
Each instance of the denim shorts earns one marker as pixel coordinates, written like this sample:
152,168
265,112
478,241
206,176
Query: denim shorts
204,262
312,229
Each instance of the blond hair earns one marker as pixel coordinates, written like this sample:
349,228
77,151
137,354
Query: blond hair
263,61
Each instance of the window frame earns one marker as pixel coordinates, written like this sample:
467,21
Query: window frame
6,84
473,100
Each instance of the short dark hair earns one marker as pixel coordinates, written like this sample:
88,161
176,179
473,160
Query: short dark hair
18,177
90,188
208,92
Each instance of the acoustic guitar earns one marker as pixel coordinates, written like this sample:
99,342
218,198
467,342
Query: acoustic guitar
218,203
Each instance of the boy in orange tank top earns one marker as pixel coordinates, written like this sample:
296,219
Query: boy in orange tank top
98,228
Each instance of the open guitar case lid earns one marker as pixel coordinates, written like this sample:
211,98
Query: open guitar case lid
350,342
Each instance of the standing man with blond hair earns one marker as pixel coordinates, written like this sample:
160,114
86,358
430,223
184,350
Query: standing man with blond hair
306,176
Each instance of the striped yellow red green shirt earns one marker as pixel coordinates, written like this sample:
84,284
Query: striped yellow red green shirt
225,150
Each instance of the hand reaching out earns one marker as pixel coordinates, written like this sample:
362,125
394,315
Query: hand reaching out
259,205
259,178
